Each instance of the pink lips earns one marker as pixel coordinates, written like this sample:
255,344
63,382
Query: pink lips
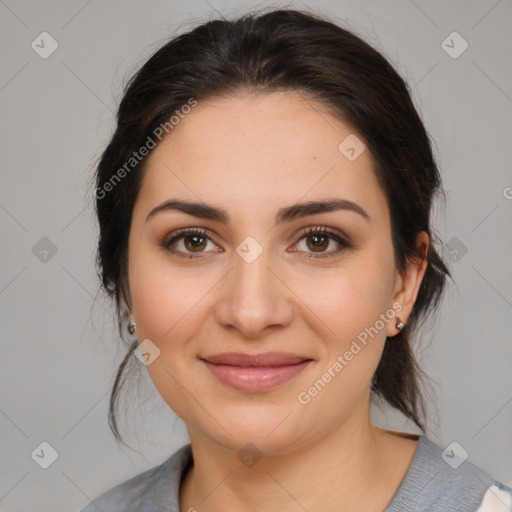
259,372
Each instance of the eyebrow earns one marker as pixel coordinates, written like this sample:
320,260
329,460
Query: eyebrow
287,214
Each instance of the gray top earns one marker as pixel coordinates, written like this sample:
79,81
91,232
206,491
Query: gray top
436,481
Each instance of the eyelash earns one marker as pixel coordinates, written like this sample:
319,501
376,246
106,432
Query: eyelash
344,244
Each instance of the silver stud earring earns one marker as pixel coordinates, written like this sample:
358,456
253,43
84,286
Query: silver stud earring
399,324
131,327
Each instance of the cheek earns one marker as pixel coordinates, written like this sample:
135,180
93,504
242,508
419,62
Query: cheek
169,306
349,309
166,302
348,300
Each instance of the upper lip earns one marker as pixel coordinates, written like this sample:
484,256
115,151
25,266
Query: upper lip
266,359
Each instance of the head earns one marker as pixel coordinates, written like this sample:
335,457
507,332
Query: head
313,178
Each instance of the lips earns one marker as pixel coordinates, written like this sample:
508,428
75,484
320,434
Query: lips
274,359
255,372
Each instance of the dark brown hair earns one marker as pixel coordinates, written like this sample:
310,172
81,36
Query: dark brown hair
282,50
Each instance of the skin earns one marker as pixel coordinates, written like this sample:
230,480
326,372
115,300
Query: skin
252,155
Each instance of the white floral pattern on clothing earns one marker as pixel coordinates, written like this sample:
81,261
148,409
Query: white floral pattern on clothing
496,500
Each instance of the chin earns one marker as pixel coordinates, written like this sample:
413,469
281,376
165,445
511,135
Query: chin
268,428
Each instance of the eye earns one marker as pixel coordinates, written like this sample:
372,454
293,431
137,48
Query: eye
318,239
186,242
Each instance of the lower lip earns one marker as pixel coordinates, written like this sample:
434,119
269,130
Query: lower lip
252,378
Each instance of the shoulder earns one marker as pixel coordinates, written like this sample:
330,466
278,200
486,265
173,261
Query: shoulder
147,490
443,479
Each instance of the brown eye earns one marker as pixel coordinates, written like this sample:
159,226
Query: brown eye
317,240
194,243
186,242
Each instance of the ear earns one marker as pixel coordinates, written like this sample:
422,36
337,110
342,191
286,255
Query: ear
407,284
126,296
124,286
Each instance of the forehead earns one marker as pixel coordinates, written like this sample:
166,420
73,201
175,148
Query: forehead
255,150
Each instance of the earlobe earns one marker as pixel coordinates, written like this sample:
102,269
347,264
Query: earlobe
131,327
409,282
398,326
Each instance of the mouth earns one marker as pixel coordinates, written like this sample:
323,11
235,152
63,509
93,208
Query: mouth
258,372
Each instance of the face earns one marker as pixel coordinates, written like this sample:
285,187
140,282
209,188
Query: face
263,275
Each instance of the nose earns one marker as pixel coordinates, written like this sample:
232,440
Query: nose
254,298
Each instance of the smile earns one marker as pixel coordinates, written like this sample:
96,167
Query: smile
252,373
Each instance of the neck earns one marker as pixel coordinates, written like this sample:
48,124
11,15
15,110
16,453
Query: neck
356,467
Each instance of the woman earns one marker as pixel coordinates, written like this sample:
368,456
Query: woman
264,212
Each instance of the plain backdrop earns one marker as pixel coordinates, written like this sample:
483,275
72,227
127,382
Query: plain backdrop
59,344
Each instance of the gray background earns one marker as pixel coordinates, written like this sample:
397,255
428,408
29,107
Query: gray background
60,348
